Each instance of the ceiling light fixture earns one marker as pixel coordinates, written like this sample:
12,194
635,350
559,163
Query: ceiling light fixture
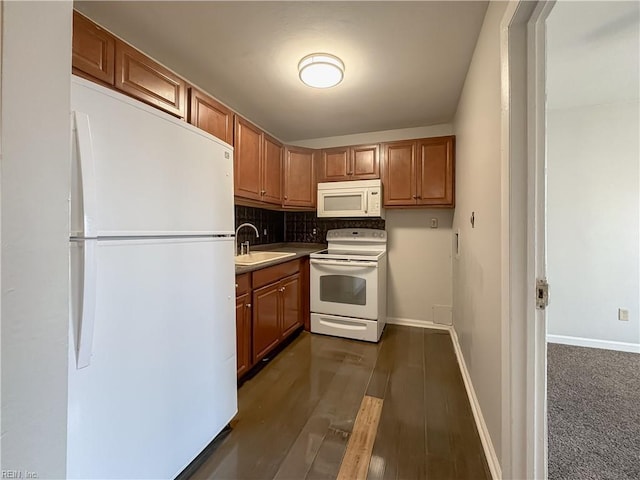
321,70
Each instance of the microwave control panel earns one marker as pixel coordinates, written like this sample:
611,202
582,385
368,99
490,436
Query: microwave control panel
374,200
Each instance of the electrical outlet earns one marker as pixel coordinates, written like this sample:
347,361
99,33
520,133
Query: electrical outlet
623,314
434,223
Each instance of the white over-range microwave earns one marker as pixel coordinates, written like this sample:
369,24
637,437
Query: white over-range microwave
357,198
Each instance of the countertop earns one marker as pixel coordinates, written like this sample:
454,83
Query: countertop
300,250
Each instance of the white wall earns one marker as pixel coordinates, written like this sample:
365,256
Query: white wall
593,236
419,266
36,67
477,269
593,151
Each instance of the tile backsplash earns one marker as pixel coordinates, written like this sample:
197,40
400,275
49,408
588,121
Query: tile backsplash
293,226
307,227
269,220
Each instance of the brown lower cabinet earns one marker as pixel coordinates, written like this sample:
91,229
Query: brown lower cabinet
270,306
243,323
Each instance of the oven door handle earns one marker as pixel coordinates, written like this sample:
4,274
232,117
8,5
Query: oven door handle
354,263
342,326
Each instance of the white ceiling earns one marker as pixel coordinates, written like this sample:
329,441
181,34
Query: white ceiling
406,62
593,53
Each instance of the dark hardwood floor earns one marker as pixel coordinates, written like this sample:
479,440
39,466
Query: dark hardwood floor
295,416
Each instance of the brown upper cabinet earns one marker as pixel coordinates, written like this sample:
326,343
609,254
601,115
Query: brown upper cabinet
98,55
271,170
299,178
349,163
93,50
210,115
419,172
146,80
258,164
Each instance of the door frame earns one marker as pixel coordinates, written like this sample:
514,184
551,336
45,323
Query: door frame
522,63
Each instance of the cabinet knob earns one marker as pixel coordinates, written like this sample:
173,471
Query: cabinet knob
236,285
285,197
248,305
414,197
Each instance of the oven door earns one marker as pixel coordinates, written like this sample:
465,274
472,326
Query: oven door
345,288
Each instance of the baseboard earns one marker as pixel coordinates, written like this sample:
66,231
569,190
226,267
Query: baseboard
409,322
483,431
591,343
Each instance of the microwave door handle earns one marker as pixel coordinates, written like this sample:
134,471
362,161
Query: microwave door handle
366,202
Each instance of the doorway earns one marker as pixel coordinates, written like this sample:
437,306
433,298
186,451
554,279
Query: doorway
592,239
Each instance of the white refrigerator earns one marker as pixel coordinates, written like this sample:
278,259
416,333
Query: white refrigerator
152,361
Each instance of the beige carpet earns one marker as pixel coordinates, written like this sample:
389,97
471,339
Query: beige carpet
593,413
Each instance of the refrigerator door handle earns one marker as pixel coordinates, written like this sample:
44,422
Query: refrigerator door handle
88,305
87,173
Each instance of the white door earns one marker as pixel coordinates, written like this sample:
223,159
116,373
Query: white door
159,378
524,326
137,171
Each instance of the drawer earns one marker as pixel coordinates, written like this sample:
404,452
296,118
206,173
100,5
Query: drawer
275,273
243,284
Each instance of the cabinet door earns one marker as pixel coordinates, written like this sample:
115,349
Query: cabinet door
142,78
399,174
365,162
93,50
299,178
291,304
247,160
243,333
335,165
435,167
210,115
272,171
266,320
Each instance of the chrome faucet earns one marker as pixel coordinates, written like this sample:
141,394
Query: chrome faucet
246,244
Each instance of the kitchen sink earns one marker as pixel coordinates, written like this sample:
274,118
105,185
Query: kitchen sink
254,258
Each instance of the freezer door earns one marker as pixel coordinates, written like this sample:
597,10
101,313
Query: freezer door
159,382
137,171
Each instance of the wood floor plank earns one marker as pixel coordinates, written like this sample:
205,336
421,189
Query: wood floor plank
297,415
355,463
462,443
384,364
408,400
332,419
271,414
384,457
437,425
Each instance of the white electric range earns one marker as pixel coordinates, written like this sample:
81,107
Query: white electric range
349,284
